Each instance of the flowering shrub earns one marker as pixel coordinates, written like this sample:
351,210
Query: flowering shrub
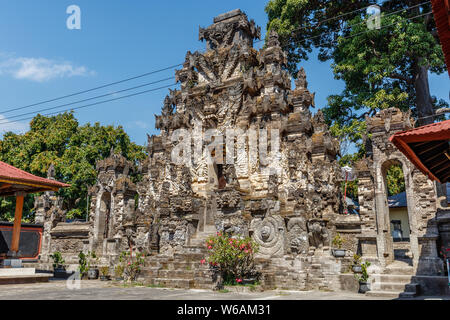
131,264
234,257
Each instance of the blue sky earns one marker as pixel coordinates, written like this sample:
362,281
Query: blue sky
41,59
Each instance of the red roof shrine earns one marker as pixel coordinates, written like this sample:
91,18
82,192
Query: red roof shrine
428,148
13,180
441,12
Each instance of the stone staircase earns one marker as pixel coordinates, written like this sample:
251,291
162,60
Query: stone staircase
394,282
183,270
199,238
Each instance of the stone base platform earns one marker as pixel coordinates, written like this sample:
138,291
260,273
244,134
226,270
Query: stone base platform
21,275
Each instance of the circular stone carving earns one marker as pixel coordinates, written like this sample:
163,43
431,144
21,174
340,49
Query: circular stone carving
265,233
269,234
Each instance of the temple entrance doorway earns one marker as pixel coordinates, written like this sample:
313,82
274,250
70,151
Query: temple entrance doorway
104,219
398,213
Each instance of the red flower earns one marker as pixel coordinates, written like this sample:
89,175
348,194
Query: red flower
238,280
202,261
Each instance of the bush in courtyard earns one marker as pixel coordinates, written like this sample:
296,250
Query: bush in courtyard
82,263
132,265
364,274
58,261
233,257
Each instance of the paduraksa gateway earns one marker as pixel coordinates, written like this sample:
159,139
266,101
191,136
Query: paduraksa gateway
292,212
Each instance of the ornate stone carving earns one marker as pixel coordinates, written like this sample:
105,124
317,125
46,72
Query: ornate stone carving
269,233
318,234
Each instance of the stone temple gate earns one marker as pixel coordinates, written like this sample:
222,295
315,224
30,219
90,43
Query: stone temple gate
290,202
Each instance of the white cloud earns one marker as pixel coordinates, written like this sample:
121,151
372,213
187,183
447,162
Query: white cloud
16,127
41,69
141,124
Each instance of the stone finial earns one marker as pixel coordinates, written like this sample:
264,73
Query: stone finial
273,40
51,172
229,28
301,82
111,152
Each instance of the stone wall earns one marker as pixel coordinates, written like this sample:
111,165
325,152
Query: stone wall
287,199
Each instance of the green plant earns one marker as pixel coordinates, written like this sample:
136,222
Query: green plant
82,263
58,260
104,271
364,274
92,260
133,264
118,271
233,257
356,260
338,241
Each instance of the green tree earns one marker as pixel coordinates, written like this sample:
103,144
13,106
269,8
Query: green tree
381,68
71,148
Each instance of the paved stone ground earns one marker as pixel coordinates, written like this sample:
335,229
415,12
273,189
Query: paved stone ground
98,290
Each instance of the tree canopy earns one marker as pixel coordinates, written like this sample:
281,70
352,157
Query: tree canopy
382,66
71,148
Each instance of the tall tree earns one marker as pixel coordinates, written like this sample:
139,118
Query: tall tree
71,148
381,67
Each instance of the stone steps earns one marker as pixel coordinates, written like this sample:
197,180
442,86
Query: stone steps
173,283
383,294
398,278
400,287
182,270
394,282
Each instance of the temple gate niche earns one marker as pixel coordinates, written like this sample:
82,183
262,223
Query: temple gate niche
289,200
376,240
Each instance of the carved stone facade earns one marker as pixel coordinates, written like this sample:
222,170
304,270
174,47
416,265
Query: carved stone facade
67,238
377,242
288,200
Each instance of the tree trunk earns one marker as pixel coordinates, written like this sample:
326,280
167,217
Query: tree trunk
424,103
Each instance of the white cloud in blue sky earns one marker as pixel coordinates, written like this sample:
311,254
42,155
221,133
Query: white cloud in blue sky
41,69
16,127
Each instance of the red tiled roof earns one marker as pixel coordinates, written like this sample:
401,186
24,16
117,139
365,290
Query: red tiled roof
10,174
441,9
429,132
432,132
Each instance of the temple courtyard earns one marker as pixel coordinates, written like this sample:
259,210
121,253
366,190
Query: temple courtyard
100,290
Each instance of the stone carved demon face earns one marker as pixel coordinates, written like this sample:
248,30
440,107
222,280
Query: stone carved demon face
265,232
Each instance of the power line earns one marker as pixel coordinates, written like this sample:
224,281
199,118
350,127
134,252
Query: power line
349,26
163,69
94,104
93,89
325,20
92,98
4,122
147,73
388,14
382,27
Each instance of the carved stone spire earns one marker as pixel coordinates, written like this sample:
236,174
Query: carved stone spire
230,28
273,40
51,172
301,82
